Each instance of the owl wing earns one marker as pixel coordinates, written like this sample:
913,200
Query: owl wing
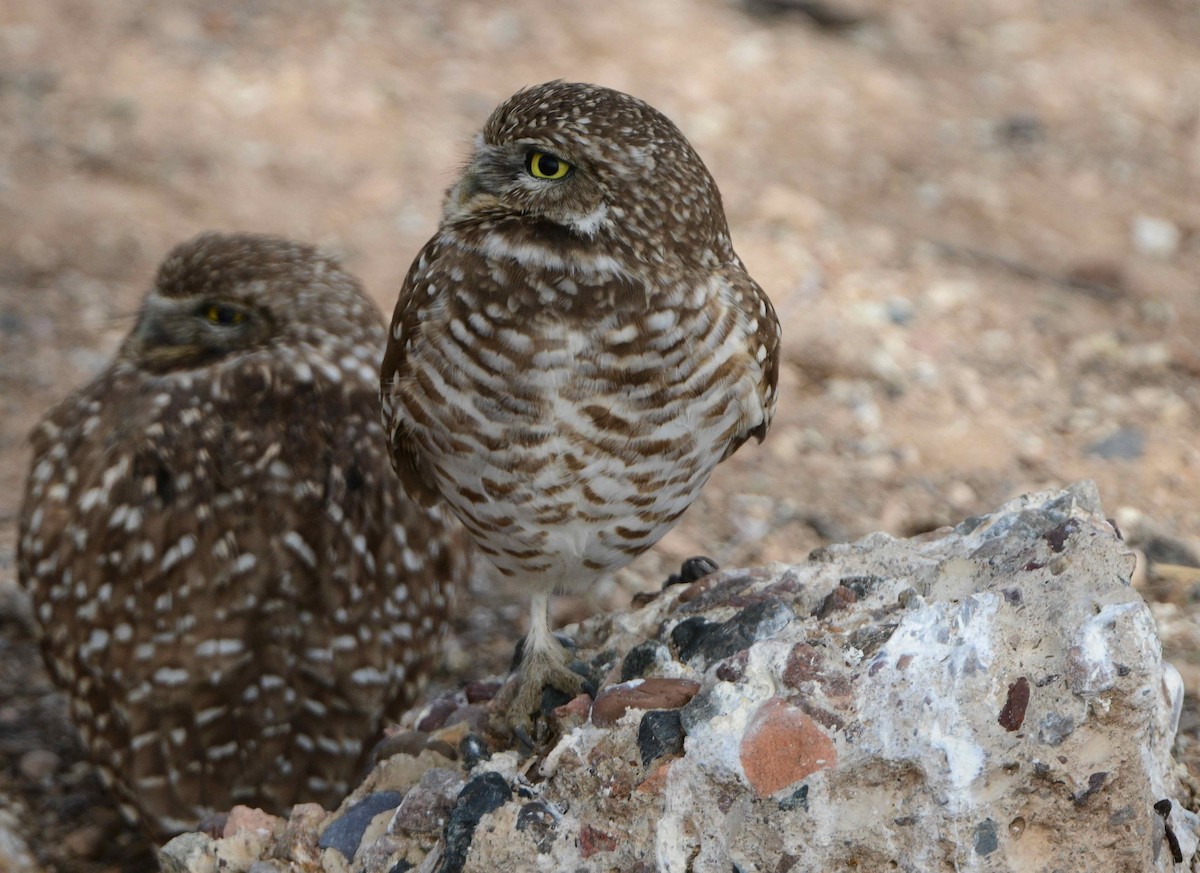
762,344
396,370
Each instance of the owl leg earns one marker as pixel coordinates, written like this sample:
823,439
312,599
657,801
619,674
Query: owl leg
545,663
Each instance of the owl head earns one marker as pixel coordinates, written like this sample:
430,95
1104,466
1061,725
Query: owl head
218,295
594,164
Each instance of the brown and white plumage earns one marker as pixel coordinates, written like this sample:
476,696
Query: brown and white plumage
572,354
229,582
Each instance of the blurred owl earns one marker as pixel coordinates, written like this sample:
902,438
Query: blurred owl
229,582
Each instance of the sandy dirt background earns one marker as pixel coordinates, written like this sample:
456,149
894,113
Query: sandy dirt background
978,221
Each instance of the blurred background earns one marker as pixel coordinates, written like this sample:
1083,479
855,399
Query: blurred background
978,221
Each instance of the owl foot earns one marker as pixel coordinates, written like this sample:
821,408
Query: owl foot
543,667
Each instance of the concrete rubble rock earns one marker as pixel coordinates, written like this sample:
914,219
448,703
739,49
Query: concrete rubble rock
985,698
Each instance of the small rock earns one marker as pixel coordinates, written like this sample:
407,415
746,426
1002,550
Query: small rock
426,807
189,853
439,712
473,750
782,745
700,710
570,715
660,733
410,743
642,658
1156,237
479,797
593,841
298,842
1021,128
1162,549
481,692
1012,716
838,598
1123,444
834,16
271,866
656,782
1054,728
653,693
713,641
985,837
798,799
246,818
345,832
539,822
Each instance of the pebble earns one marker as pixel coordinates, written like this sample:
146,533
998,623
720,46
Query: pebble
572,714
592,841
1155,237
189,853
479,797
783,745
1054,728
538,821
698,637
642,658
298,842
473,749
1123,444
345,832
654,693
411,743
243,819
985,837
1012,716
427,805
660,733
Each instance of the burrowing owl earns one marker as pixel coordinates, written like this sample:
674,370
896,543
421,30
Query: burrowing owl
576,348
230,584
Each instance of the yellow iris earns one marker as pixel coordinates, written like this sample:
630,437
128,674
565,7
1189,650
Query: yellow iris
220,314
544,166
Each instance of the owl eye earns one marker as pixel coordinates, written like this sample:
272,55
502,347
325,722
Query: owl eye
546,166
220,313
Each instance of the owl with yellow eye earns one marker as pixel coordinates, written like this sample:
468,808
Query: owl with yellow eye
575,350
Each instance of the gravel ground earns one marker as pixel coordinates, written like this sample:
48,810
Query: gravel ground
977,220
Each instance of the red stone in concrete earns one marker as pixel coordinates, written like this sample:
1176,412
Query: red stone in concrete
657,693
782,745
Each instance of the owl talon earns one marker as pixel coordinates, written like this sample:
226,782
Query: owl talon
543,668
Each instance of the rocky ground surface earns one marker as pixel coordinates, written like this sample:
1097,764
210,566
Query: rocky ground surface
977,222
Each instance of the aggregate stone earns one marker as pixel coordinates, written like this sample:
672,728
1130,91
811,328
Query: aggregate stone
660,733
654,693
427,805
1035,724
345,832
481,795
711,641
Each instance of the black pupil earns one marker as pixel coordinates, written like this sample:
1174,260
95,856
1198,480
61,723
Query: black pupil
226,315
548,165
